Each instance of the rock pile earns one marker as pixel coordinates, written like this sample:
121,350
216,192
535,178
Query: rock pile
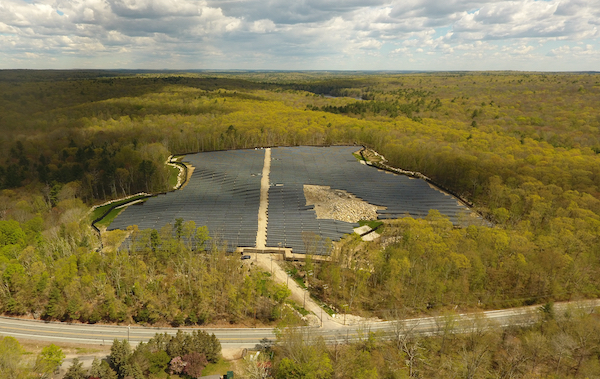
339,205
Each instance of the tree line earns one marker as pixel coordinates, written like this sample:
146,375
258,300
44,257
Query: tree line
184,354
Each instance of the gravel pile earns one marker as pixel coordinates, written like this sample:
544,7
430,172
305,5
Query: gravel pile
339,205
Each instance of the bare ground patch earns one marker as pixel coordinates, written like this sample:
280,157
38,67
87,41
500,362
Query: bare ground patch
334,204
190,171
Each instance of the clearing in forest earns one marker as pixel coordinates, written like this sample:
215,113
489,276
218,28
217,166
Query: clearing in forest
314,194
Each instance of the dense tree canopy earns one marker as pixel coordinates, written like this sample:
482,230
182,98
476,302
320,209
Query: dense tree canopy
555,345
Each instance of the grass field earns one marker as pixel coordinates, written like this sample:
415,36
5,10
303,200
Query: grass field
371,223
173,174
106,220
219,368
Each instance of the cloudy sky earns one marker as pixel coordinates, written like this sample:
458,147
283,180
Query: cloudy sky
301,34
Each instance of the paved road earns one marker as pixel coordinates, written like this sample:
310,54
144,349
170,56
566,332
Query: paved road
248,337
459,322
105,334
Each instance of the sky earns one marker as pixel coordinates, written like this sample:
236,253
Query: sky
301,34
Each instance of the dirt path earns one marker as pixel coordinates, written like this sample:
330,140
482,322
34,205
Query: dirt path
261,234
299,294
270,263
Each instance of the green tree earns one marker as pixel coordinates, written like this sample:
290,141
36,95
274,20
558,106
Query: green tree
201,237
356,363
287,368
154,239
49,360
158,361
96,369
179,344
104,371
281,293
189,228
198,341
159,342
302,355
76,371
120,352
10,358
178,228
132,370
11,233
206,344
147,169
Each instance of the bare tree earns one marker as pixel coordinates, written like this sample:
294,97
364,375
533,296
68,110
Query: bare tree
479,343
445,328
407,343
256,366
510,359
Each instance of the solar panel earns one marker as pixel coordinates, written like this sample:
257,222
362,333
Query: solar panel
224,194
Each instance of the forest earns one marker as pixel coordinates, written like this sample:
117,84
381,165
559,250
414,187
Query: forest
522,147
556,345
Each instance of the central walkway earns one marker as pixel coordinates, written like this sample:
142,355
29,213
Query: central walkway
263,217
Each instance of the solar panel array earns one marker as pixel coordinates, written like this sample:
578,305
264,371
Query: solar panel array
224,194
336,167
291,222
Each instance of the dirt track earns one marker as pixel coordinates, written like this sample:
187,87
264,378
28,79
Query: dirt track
299,294
261,234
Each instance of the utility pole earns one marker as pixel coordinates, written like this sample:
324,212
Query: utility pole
128,328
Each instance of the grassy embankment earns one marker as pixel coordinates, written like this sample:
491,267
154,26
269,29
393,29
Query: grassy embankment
107,218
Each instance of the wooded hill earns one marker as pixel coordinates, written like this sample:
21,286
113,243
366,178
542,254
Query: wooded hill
523,147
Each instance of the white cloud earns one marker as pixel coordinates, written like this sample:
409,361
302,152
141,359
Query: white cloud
575,52
155,9
518,50
273,33
6,28
263,26
527,19
368,44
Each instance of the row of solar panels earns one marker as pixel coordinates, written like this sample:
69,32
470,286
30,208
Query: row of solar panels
401,195
224,194
293,223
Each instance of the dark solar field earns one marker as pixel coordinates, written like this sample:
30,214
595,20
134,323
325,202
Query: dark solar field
292,167
224,194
